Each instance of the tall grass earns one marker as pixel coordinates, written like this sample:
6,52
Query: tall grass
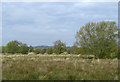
33,67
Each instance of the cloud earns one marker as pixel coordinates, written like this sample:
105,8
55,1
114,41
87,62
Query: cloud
43,23
60,0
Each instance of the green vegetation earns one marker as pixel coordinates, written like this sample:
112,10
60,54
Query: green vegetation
49,51
75,49
59,47
31,49
92,57
98,39
43,51
46,67
37,50
24,49
13,47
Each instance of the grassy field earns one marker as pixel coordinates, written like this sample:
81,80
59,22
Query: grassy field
46,67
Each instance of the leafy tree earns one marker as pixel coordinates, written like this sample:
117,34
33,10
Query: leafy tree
69,50
75,49
13,47
37,50
31,49
59,47
3,49
24,49
98,39
49,51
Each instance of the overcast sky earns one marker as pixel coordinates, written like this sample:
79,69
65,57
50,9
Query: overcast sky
42,23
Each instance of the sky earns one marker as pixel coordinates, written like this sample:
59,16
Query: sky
60,0
42,23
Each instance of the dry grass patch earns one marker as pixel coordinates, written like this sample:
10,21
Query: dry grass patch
37,67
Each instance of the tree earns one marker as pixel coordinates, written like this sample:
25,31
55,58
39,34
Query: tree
31,49
98,38
49,51
59,47
24,49
3,49
75,49
37,50
13,47
69,50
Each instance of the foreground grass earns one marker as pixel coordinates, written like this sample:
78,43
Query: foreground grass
38,67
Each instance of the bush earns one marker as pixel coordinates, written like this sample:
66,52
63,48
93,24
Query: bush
69,50
49,51
24,49
36,50
43,51
2,49
31,53
31,49
64,53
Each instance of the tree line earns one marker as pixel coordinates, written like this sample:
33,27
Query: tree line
15,46
99,39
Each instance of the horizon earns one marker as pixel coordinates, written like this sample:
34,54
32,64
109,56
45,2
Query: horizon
43,23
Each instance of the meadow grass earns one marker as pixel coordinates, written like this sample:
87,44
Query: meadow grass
38,67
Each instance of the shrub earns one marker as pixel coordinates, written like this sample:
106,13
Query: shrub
64,53
24,49
43,51
36,50
49,51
